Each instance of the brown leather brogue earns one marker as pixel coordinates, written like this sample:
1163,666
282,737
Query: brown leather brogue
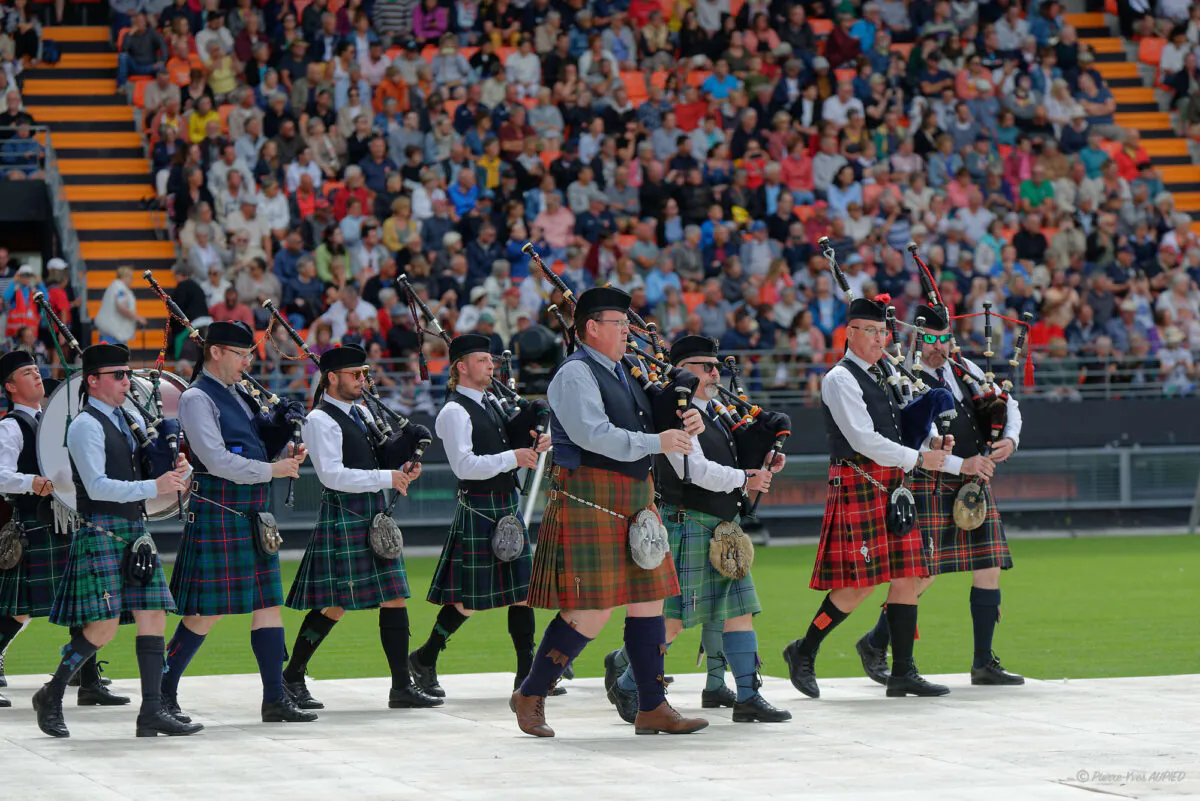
666,720
531,714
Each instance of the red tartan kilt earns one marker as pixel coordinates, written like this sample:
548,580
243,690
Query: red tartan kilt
582,559
855,549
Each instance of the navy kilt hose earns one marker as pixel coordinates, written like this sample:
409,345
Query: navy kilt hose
339,568
705,595
93,587
28,589
955,550
582,559
218,570
855,548
468,573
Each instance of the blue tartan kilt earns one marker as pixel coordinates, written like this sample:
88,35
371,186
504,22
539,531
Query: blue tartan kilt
705,595
339,568
28,589
218,570
468,573
93,587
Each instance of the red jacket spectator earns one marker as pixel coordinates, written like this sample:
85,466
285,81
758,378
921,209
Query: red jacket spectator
841,48
343,197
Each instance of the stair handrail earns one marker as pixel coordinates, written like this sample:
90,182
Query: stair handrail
61,209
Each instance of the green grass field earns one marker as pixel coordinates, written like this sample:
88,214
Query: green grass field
1078,608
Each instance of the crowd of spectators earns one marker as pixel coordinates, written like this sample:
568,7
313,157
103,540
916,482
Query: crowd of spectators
691,152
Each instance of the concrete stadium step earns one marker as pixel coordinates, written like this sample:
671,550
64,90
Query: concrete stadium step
109,178
150,308
1087,19
146,342
77,33
1105,44
112,220
1166,147
1186,174
71,73
115,235
67,153
87,61
104,166
130,252
89,113
93,126
81,140
102,272
1144,121
108,205
51,85
1118,69
89,48
112,100
1187,201
101,192
1143,94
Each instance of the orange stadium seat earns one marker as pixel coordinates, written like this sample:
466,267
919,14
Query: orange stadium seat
821,27
1150,50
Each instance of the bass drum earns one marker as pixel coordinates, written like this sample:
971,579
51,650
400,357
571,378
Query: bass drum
53,460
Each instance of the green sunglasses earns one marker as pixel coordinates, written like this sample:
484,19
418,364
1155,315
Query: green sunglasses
932,338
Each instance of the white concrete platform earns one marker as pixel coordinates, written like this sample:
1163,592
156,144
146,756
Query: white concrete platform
1128,738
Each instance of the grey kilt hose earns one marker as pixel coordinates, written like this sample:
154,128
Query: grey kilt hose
28,589
339,568
705,595
951,549
94,588
468,573
219,571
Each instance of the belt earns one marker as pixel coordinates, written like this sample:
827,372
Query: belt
556,491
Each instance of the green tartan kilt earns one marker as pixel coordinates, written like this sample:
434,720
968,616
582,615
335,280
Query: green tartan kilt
468,573
28,589
952,549
93,587
339,568
218,570
582,560
705,595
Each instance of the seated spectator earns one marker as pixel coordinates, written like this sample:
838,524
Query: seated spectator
22,156
143,51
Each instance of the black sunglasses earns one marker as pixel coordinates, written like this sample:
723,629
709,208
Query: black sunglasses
119,375
708,367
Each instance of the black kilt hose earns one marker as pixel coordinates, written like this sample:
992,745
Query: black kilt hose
28,589
93,588
952,549
218,570
468,572
339,568
855,548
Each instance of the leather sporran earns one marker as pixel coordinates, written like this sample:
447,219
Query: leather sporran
12,544
730,551
648,540
267,539
970,506
508,538
901,512
386,540
139,563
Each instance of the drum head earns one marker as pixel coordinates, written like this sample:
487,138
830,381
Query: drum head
53,460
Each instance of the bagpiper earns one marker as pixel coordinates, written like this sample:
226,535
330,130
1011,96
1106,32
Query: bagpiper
113,574
486,560
347,564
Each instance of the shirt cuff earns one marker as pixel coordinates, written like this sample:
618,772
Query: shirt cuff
510,460
655,443
149,489
909,460
953,465
1016,439
385,480
27,484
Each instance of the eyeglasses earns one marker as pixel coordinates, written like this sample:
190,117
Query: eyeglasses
119,375
708,367
246,356
932,338
877,333
355,372
618,323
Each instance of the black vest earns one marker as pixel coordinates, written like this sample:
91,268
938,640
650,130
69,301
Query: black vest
719,448
358,453
487,437
625,408
239,432
968,437
26,503
881,405
120,464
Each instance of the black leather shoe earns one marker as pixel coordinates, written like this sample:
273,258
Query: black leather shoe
99,695
4,702
569,671
412,697
874,660
626,702
161,722
993,673
3,680
757,708
75,681
425,676
298,690
49,713
171,707
611,671
911,682
285,711
715,699
801,669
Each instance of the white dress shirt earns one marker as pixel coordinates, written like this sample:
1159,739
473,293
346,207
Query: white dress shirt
85,444
841,393
11,443
323,436
453,427
707,475
1012,429
201,424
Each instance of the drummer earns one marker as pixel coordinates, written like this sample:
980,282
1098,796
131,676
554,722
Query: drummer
221,569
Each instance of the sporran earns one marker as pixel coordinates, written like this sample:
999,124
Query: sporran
385,538
267,539
730,551
970,506
648,542
508,538
12,544
140,561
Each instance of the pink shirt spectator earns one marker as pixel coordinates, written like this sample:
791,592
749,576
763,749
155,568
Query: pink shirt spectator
559,227
796,171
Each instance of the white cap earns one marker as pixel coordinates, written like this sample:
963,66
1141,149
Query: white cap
25,269
56,264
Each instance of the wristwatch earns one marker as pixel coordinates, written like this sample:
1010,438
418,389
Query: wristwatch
920,458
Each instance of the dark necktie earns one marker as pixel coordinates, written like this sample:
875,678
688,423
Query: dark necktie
356,414
621,377
123,427
877,374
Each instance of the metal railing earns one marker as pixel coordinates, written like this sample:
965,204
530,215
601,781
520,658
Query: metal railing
61,209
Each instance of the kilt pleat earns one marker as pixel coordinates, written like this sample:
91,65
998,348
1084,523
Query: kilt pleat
28,589
468,573
705,595
339,568
582,560
218,571
855,549
955,550
93,587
